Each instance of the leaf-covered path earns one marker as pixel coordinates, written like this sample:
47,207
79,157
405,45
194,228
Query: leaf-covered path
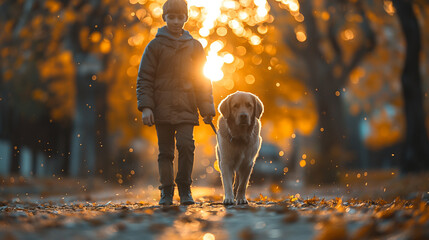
285,217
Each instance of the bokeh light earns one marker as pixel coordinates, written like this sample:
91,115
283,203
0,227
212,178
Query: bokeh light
220,18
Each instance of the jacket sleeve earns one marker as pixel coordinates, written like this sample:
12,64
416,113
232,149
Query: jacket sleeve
146,78
203,85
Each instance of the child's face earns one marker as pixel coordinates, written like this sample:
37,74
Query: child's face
175,22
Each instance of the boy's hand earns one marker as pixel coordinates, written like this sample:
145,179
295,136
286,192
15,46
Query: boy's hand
208,119
147,116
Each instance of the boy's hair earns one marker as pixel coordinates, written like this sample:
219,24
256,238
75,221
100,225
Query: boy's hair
175,6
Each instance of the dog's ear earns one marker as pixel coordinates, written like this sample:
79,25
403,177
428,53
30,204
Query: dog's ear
224,107
259,107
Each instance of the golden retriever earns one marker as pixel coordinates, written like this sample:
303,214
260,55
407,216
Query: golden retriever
238,143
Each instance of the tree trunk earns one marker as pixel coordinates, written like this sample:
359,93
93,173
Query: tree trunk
83,134
3,107
324,82
102,144
330,132
15,138
416,148
6,150
64,146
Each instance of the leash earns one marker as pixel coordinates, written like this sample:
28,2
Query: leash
213,127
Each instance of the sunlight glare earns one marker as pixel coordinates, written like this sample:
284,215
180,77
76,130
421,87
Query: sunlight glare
348,34
262,12
203,42
243,15
212,10
214,17
255,40
204,32
293,6
228,58
216,46
230,4
214,64
301,36
209,236
213,67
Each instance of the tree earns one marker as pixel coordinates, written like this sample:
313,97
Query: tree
416,146
320,39
30,95
64,60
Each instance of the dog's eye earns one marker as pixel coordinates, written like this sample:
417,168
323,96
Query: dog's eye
235,106
248,105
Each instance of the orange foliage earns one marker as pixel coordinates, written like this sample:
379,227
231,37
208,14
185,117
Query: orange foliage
385,131
243,43
53,6
61,69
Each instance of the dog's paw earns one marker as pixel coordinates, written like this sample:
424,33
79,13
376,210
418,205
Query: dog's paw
242,201
228,201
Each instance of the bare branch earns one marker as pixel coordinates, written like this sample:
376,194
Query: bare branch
28,5
332,36
367,45
313,36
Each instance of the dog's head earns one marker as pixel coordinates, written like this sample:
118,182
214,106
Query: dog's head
242,108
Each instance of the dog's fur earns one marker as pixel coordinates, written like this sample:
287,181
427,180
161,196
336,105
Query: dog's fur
238,142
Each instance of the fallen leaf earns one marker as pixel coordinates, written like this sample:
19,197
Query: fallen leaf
386,214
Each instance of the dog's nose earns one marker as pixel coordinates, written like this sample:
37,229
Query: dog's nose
243,117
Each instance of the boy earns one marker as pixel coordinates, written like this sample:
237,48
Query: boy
170,89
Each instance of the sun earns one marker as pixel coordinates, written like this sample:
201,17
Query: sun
217,14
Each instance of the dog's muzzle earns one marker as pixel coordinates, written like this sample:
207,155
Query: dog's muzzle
243,119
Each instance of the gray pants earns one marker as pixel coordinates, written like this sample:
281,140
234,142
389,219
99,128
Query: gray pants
185,146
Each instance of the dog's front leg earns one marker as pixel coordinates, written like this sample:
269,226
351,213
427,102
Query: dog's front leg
236,184
244,175
227,175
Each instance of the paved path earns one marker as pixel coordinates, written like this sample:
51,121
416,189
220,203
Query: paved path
119,214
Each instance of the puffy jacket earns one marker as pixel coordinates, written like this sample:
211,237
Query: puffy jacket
170,79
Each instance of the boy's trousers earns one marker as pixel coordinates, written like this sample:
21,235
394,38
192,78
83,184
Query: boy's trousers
185,146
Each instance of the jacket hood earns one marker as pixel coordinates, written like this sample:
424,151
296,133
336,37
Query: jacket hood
164,33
